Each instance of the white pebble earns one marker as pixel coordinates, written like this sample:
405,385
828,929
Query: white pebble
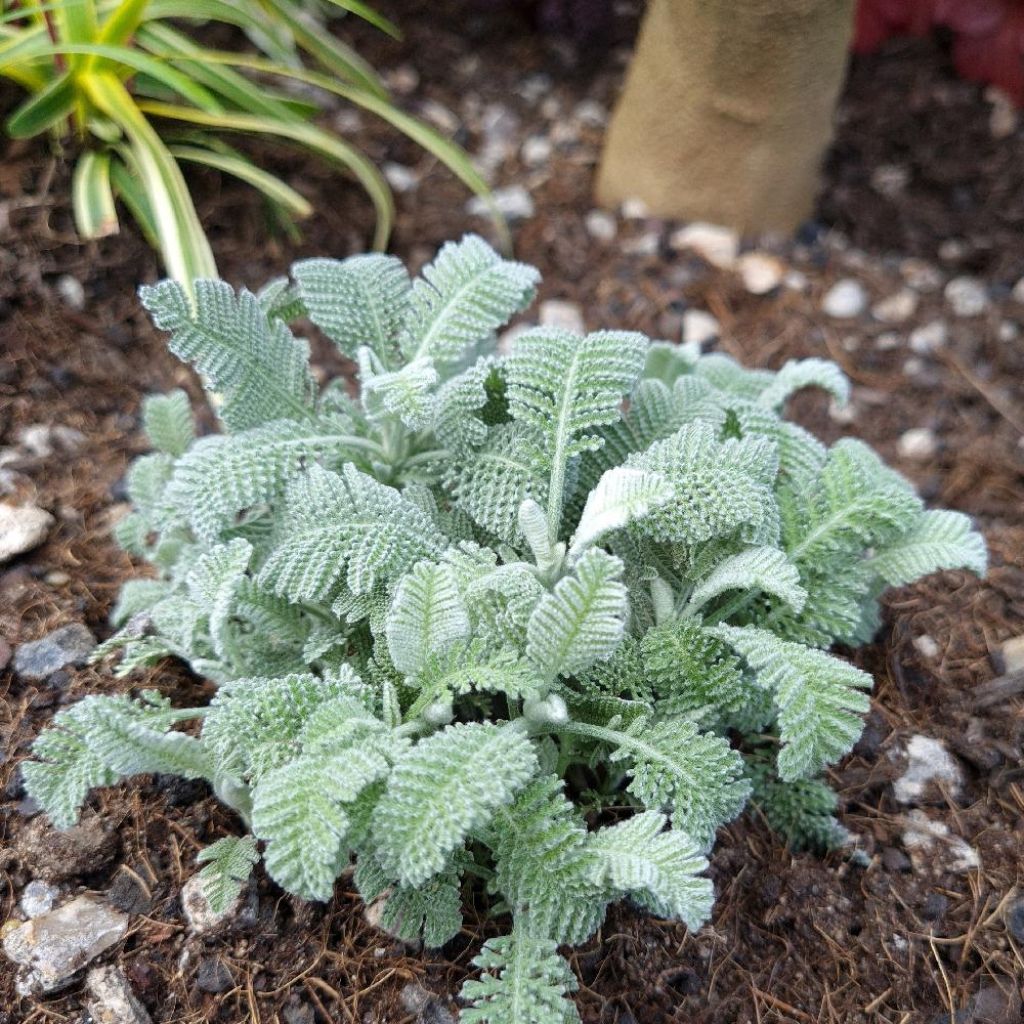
926,646
760,272
536,150
928,761
699,327
566,316
716,244
601,225
71,291
931,336
896,308
845,299
635,208
400,177
966,296
1018,291
513,202
919,443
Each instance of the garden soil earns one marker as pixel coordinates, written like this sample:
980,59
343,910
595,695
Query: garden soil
918,190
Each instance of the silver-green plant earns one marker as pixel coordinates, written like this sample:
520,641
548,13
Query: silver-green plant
543,618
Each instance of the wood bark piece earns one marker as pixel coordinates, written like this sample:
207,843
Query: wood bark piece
727,110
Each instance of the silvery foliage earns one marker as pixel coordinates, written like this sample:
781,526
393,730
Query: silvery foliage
456,617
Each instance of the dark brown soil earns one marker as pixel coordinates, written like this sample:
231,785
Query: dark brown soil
794,937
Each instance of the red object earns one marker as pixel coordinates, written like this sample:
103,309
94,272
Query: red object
988,35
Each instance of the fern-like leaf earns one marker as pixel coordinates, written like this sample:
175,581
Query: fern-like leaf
582,620
818,696
442,789
563,387
359,301
167,420
261,370
461,299
765,569
523,981
621,496
939,540
345,527
426,616
229,863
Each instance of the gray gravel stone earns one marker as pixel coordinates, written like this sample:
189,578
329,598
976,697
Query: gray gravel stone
22,527
52,948
111,999
429,1008
966,296
69,645
214,975
845,299
38,898
513,202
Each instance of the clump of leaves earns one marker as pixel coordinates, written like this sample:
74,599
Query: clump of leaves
545,617
142,96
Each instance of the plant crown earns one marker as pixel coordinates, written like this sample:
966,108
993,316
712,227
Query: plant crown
546,618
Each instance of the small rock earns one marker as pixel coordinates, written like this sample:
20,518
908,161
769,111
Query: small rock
935,907
1008,330
129,892
513,202
112,1000
400,177
54,947
298,1012
1002,119
536,151
601,225
926,339
200,916
590,112
699,327
213,975
996,1004
926,646
760,272
966,296
635,208
533,87
932,845
1018,291
715,244
646,244
845,299
890,180
38,898
952,250
842,412
921,276
928,762
1015,920
440,116
43,439
1012,654
57,855
566,316
71,291
21,529
913,367
896,308
920,443
69,645
796,281
429,1008
887,341
895,860
403,80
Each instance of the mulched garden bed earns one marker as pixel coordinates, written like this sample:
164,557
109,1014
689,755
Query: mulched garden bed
892,938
